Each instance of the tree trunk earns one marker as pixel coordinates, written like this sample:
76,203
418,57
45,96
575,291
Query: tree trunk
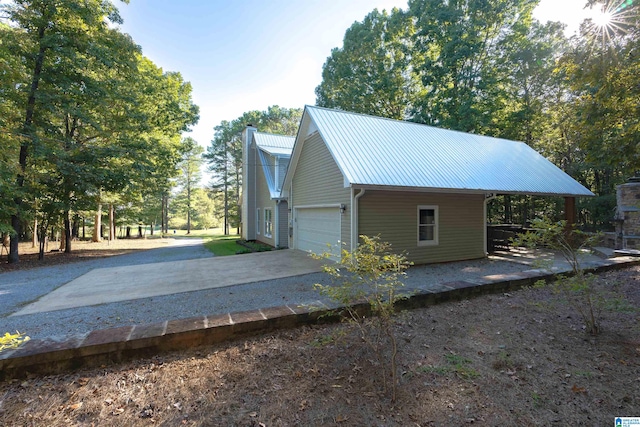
83,228
97,225
67,232
75,227
16,222
42,237
112,225
34,238
13,257
508,216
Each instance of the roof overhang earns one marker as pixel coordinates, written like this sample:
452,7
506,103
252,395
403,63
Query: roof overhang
459,190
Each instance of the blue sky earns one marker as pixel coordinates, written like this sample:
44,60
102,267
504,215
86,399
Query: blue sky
243,55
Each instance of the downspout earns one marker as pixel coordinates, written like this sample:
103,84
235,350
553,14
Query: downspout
354,217
487,198
276,231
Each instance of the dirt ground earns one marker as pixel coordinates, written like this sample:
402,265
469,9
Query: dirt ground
82,250
519,359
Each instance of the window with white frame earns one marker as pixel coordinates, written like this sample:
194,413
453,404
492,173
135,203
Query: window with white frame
268,224
427,225
258,221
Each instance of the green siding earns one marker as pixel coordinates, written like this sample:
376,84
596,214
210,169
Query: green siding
394,215
318,181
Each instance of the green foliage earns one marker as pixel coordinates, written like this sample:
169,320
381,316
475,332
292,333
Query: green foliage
82,112
577,290
370,274
369,73
488,67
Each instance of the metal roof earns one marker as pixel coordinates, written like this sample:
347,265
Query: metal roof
276,145
374,151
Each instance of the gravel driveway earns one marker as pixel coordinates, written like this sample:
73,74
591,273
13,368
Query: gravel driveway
18,288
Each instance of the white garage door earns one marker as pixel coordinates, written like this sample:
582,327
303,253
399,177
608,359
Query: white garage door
316,227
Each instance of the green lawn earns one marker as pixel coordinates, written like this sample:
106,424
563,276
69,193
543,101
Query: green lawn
222,245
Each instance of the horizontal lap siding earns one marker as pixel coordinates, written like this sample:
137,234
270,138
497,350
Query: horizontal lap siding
318,181
394,215
263,200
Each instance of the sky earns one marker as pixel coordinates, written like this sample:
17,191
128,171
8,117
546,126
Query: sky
245,55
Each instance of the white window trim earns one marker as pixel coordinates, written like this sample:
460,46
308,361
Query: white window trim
258,221
436,227
266,229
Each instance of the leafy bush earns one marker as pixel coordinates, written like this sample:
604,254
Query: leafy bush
371,275
578,290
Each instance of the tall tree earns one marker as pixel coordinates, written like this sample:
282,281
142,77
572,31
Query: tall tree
457,51
97,116
371,73
190,174
52,35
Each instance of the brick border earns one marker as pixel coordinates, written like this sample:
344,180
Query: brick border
115,345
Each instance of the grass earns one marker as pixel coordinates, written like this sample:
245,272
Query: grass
222,245
453,364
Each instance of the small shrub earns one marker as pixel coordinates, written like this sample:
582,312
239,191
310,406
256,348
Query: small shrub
578,290
370,275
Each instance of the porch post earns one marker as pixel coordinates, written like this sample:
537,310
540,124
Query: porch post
570,210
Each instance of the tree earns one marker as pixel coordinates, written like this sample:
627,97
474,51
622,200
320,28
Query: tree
371,73
224,155
457,52
190,173
97,116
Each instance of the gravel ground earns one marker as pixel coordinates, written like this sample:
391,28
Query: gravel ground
18,288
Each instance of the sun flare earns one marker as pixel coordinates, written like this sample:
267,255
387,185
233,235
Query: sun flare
602,18
611,17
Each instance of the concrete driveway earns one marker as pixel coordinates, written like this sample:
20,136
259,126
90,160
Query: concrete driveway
105,285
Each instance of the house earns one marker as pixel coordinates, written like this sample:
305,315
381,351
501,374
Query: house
423,189
264,211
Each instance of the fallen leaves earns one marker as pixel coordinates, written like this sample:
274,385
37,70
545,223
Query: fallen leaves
578,390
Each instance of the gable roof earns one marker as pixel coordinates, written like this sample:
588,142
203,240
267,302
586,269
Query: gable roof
273,146
378,152
276,145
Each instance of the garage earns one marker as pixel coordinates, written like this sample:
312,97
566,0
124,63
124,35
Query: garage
317,227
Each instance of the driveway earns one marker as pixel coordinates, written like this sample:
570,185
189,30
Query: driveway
107,285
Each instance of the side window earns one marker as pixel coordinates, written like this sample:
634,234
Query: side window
258,221
427,225
268,225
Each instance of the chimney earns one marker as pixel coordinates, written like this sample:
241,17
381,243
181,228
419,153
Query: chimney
248,215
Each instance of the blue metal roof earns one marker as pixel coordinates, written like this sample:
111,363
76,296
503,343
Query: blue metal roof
374,151
276,145
271,146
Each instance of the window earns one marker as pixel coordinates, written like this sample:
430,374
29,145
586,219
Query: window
427,225
258,221
268,224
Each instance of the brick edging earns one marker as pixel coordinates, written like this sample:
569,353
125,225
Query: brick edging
114,345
